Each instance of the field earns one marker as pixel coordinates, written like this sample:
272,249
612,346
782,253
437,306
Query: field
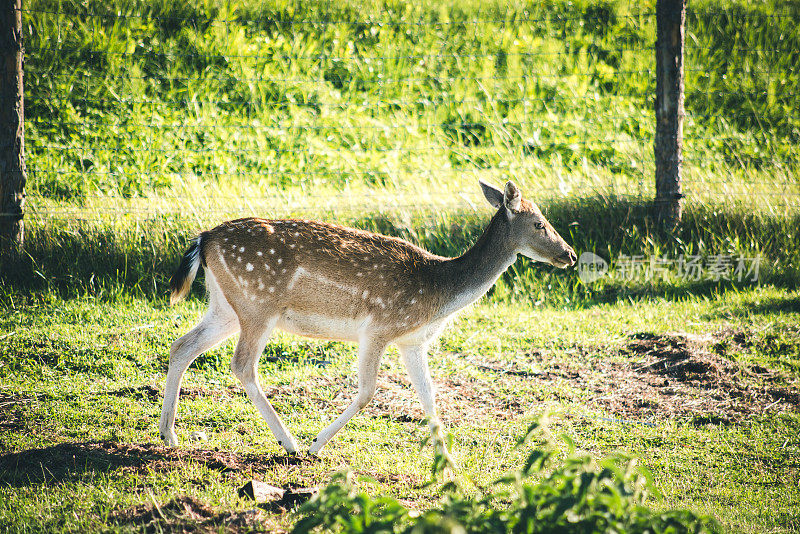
154,120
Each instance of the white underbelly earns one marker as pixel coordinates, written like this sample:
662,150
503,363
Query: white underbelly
322,327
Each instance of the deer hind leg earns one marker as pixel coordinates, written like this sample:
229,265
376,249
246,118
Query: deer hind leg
245,367
369,361
415,358
218,323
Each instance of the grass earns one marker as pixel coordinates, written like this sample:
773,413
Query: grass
143,129
76,372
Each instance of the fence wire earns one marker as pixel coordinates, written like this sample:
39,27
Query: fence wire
219,113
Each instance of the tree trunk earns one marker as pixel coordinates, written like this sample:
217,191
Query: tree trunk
12,139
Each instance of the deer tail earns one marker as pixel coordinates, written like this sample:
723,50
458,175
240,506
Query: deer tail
181,281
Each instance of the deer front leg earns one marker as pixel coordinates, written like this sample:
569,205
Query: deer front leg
369,361
245,367
415,358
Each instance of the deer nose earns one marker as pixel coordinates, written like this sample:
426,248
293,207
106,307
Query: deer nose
569,257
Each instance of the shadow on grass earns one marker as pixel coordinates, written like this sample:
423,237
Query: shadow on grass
776,305
74,259
762,306
73,461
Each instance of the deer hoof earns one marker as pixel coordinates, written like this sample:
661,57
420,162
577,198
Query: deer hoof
170,438
289,445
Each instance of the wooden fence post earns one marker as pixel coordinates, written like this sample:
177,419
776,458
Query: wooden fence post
12,138
670,20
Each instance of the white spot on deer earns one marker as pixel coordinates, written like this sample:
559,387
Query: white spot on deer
249,266
297,234
239,259
272,289
280,260
283,271
260,284
297,274
365,294
241,249
413,301
272,251
225,239
292,245
420,291
359,274
259,253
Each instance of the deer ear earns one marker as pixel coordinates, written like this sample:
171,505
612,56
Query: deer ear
512,198
492,194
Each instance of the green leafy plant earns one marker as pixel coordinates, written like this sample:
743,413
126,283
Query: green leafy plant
575,494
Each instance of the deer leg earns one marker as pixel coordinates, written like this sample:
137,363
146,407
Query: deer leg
245,367
218,323
415,358
369,361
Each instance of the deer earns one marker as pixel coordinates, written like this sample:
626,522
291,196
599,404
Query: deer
331,282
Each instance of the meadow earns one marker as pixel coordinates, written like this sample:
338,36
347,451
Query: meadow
148,121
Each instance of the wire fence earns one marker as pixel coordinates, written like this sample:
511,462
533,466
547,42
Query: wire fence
221,113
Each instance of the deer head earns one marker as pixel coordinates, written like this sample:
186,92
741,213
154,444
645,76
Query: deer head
531,234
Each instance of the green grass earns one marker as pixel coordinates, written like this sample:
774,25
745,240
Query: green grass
77,369
144,129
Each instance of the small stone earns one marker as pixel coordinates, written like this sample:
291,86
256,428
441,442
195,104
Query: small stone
198,435
261,492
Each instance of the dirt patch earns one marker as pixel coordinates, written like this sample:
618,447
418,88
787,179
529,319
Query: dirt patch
156,393
186,515
680,375
71,461
457,398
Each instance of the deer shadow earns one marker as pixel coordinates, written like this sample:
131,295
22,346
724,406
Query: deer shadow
69,462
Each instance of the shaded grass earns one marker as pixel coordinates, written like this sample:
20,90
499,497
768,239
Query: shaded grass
137,259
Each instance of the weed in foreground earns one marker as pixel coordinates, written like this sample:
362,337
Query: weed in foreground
577,494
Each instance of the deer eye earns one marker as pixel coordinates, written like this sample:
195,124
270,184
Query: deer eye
539,225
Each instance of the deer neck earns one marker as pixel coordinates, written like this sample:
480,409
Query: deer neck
468,277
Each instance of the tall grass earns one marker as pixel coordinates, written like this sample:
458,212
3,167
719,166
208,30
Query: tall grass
148,121
138,259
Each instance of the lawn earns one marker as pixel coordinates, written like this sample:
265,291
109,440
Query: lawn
713,417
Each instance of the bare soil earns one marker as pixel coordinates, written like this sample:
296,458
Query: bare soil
679,375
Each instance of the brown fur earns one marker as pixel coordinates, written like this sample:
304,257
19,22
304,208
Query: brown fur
345,272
